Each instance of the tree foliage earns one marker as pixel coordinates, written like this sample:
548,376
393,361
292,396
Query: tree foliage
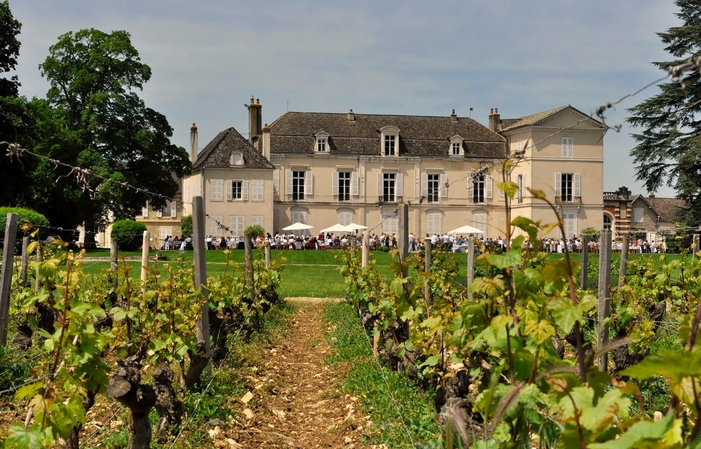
668,148
103,125
9,49
128,234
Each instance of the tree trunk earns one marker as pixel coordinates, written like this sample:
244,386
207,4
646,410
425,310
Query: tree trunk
169,407
73,441
89,225
198,362
126,387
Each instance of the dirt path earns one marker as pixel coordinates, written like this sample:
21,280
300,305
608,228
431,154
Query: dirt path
295,402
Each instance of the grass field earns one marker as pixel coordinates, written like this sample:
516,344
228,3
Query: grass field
316,273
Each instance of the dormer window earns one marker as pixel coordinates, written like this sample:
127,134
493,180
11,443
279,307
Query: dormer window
456,148
389,139
322,142
236,159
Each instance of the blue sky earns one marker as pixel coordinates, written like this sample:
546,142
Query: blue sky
394,57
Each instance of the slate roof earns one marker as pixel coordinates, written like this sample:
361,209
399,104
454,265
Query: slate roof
294,132
667,208
535,119
217,153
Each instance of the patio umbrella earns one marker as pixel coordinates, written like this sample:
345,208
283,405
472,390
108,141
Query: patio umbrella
297,227
466,230
335,228
355,227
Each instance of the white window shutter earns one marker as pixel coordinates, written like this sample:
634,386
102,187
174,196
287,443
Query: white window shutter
334,184
354,183
399,186
244,190
439,223
558,185
173,209
577,186
488,186
276,181
288,182
443,187
308,183
144,211
159,213
229,190
424,185
470,189
380,185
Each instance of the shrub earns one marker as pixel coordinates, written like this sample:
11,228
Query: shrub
24,216
15,368
254,231
186,225
128,234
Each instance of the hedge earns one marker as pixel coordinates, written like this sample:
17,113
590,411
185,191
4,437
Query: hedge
24,216
128,234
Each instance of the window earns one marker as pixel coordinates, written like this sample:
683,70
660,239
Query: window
390,186
299,216
258,220
456,146
479,221
234,190
638,215
322,142
390,223
567,187
570,222
345,217
434,223
568,147
217,189
299,184
519,192
390,145
236,159
342,185
144,210
257,190
216,227
165,233
607,221
432,188
237,224
170,210
479,189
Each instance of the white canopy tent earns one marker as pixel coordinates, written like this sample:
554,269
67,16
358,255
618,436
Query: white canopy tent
335,228
355,227
466,230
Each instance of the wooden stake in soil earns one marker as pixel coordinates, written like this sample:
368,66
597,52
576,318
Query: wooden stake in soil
40,258
8,259
427,267
623,267
114,258
403,237
584,262
604,304
144,261
268,259
200,260
25,261
470,264
248,249
366,248
696,251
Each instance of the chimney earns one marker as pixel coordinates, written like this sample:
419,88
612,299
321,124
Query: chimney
454,116
494,120
265,144
193,143
351,115
652,196
255,119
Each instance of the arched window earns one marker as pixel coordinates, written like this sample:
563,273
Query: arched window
607,221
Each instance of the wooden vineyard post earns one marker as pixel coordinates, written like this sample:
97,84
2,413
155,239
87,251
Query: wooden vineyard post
696,252
114,258
40,258
248,249
200,260
268,259
403,237
604,308
470,264
25,261
366,249
144,261
584,262
623,267
427,267
8,259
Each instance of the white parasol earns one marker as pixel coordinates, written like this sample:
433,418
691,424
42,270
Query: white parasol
335,228
297,227
466,230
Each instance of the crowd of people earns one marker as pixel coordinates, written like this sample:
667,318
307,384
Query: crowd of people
384,240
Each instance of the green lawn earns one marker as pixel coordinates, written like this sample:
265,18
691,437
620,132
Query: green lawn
316,273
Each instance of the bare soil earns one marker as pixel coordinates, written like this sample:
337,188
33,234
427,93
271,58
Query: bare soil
295,402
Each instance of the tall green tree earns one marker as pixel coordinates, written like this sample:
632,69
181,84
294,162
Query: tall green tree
15,115
668,148
104,126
